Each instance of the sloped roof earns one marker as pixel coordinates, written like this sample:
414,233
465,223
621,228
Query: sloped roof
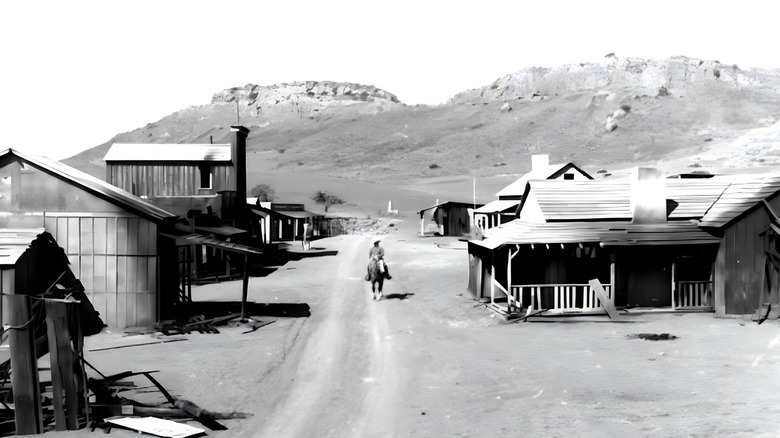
90,184
14,242
451,204
169,152
497,206
743,194
561,200
613,233
551,171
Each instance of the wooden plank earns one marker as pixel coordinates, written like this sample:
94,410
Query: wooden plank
63,366
606,303
24,363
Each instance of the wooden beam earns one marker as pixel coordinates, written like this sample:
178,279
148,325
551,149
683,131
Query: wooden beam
63,366
24,367
605,301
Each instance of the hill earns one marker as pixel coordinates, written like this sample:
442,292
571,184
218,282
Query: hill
679,113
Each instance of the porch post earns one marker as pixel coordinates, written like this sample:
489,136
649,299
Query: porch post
613,291
674,304
492,283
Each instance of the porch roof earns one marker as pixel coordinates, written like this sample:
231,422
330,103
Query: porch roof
498,206
612,233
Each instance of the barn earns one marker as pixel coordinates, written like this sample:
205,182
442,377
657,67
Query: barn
452,218
111,238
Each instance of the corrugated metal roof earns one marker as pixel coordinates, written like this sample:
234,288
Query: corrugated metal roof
14,242
744,193
451,203
97,187
561,200
169,152
497,206
613,233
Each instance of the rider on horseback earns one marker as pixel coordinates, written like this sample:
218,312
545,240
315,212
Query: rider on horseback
377,253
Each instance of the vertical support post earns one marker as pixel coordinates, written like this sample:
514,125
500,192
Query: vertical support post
245,287
24,367
64,366
612,294
674,301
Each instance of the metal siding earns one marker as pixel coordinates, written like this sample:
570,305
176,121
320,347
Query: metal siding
121,274
111,308
87,272
99,277
99,228
73,236
111,235
143,237
121,235
86,235
111,274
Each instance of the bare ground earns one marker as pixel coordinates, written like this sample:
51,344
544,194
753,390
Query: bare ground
429,361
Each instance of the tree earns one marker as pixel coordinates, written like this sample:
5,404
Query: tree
263,193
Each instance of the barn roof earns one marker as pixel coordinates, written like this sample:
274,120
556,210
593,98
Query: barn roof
743,194
451,204
548,172
498,206
90,184
587,200
179,152
613,233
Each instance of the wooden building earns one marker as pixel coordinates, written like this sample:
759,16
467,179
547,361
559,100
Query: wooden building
183,177
278,222
747,267
111,237
451,218
638,237
504,208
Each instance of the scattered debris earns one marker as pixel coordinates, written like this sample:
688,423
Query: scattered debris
653,336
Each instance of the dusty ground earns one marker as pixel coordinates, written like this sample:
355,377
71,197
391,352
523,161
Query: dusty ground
429,361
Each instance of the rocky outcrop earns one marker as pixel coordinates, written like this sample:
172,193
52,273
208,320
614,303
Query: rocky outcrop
305,98
672,76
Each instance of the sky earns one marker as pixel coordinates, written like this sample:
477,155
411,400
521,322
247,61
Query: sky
75,73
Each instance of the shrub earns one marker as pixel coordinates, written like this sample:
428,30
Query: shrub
433,166
321,197
263,192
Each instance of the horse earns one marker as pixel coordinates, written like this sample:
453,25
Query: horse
376,276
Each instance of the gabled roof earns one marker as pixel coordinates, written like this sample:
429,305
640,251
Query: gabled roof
549,172
743,194
613,233
149,152
90,184
589,200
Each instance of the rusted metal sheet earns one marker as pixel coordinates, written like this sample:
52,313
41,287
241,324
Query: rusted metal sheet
743,194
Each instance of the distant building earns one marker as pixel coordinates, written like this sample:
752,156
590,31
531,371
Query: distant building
452,218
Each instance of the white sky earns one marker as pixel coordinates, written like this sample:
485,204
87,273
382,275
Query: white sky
75,73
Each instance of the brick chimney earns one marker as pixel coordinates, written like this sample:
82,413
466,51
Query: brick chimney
238,156
648,196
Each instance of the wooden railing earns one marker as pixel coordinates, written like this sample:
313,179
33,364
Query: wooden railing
692,294
557,297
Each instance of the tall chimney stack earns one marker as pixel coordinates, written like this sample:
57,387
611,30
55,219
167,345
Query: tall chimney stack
540,162
648,196
238,156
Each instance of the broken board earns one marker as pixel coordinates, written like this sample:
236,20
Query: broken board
606,303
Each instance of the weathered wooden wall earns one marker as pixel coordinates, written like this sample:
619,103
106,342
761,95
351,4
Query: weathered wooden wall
739,267
162,179
115,257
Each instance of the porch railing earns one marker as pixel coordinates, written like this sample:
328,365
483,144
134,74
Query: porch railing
557,297
692,294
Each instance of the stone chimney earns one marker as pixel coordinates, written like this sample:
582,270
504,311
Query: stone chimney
648,196
238,156
540,162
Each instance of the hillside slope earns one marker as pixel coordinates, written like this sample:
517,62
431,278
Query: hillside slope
679,113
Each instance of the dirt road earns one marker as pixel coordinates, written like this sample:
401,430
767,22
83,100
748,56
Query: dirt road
429,361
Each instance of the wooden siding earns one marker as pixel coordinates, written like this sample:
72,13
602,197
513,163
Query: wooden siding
739,273
115,258
158,179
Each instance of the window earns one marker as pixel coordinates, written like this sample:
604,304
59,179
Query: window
205,176
568,176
